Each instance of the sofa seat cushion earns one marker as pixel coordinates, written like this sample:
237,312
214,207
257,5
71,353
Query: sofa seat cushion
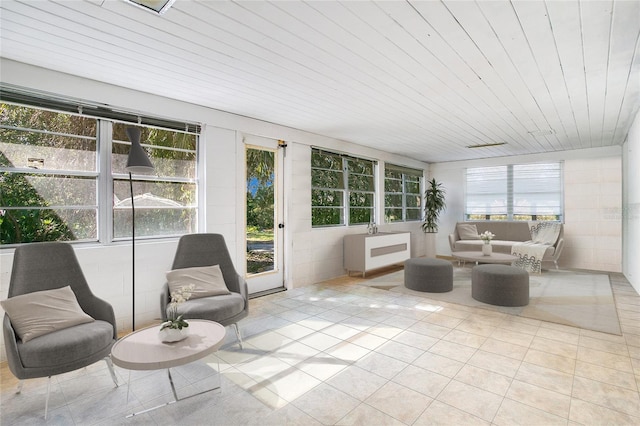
71,344
499,246
213,308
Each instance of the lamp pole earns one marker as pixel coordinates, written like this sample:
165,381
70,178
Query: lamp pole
137,162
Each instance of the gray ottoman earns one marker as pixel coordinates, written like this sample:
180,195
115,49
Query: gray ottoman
426,274
500,285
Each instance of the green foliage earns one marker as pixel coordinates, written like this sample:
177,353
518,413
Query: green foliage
434,204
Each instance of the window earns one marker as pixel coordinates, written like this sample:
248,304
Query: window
402,194
53,181
515,192
342,189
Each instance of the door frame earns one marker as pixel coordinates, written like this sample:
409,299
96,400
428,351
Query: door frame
243,141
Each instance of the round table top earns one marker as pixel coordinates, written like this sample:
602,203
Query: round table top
143,350
477,256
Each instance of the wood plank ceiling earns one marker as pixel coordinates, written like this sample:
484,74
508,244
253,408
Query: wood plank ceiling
424,79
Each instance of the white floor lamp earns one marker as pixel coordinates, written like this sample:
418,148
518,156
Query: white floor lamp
137,162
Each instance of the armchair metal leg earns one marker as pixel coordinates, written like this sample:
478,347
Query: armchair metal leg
556,263
113,373
20,384
235,326
46,401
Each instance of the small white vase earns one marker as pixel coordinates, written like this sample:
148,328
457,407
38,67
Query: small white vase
169,335
487,249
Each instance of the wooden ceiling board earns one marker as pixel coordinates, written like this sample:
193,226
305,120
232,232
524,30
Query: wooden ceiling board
420,78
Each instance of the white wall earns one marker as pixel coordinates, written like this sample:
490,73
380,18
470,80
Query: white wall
312,255
592,197
631,205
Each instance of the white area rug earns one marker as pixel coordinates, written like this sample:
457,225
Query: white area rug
579,299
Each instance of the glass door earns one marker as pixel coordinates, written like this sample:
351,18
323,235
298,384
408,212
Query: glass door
264,205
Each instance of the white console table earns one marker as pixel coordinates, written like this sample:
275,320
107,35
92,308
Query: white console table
364,252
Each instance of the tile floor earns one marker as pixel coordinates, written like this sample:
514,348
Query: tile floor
340,353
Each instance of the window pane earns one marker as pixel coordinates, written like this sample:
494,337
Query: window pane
324,160
38,225
360,199
393,200
321,216
162,208
172,153
413,214
321,197
327,179
359,216
412,187
393,185
393,215
44,207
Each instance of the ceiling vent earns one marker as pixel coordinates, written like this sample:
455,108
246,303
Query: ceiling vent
537,133
155,6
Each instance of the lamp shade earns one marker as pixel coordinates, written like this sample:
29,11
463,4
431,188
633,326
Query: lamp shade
138,161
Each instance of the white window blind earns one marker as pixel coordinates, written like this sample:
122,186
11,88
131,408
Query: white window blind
515,192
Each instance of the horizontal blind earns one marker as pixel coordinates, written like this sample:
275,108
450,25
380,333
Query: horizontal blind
487,191
537,189
402,169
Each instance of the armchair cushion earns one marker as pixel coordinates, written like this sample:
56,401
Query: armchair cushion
215,308
208,281
73,345
42,312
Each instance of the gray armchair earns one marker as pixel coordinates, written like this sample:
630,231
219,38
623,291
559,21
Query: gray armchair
208,250
48,266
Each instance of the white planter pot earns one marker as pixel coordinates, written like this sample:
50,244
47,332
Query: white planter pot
487,249
169,335
430,244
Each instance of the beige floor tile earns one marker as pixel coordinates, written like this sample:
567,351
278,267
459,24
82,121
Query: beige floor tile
614,397
472,325
400,351
341,331
606,375
452,350
540,398
496,363
439,364
316,401
513,337
554,347
515,413
555,362
429,329
366,415
416,340
443,320
464,338
587,413
470,399
518,327
290,416
399,402
504,348
421,380
384,331
348,352
356,382
367,340
604,345
441,414
294,353
484,379
294,331
263,367
546,378
605,359
381,365
319,341
559,335
322,366
602,336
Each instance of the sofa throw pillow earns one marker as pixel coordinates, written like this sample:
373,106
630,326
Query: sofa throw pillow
42,312
467,231
208,281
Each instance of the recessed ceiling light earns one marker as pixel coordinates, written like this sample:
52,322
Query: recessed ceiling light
545,132
156,6
487,145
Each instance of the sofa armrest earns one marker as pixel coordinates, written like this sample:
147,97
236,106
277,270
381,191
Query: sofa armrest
452,242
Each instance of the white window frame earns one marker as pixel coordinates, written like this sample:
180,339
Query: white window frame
406,173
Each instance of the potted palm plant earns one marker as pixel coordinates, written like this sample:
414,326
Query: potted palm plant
434,204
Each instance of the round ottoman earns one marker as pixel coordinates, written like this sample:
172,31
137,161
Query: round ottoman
426,274
500,285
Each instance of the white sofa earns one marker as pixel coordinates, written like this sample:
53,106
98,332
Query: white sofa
507,233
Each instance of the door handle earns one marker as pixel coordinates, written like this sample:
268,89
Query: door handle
281,225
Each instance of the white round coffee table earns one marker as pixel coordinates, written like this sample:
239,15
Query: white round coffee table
478,257
143,350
